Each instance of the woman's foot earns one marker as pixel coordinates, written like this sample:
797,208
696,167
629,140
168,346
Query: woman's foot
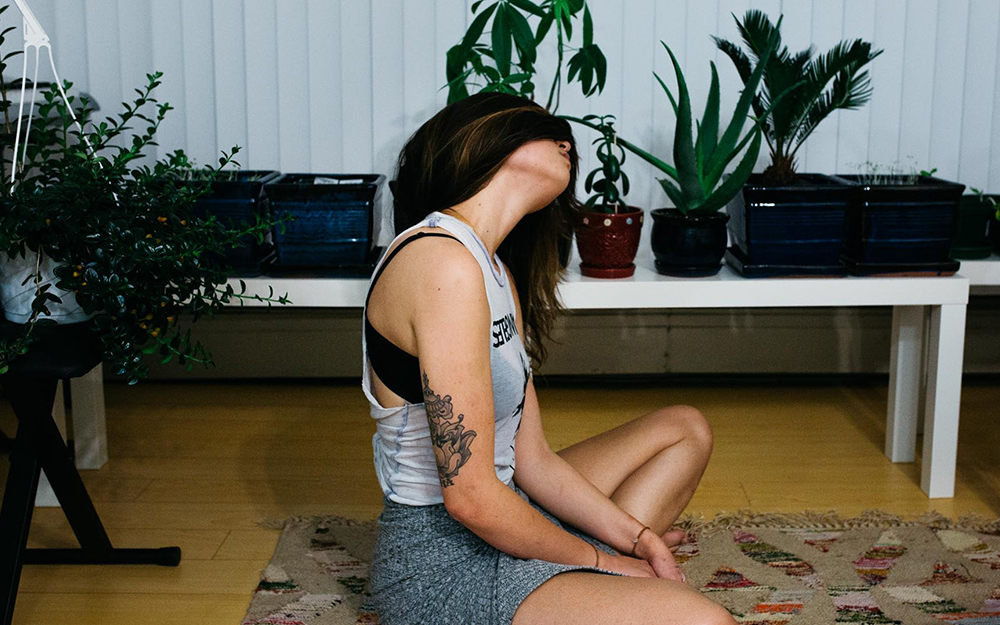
674,539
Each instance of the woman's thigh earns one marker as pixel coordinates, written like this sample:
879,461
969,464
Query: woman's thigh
592,598
607,459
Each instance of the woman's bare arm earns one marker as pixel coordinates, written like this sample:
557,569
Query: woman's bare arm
556,486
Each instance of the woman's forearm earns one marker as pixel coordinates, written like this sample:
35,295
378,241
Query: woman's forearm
500,517
556,486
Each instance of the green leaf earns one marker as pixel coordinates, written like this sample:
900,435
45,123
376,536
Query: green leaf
530,7
672,192
588,28
501,41
685,158
734,183
543,28
708,135
476,27
151,348
522,36
670,96
732,133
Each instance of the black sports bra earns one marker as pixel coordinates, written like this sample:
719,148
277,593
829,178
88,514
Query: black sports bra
398,370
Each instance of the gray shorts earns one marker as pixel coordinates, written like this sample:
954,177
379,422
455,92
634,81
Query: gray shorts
428,568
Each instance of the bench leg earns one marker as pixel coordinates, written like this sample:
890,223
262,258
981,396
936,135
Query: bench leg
944,394
906,366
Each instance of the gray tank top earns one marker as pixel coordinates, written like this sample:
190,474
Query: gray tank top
404,458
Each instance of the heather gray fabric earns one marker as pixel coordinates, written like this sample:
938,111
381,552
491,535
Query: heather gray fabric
428,569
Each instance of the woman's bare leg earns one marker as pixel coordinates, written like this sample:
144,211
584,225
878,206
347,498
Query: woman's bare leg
592,598
649,466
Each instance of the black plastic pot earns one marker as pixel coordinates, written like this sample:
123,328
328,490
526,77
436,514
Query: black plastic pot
994,233
240,200
333,220
902,228
796,229
688,245
971,231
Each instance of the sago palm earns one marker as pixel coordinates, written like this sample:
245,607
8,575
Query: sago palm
805,80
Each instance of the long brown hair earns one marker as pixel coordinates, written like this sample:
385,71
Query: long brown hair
455,154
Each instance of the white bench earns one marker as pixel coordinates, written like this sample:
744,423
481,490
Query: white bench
928,327
939,303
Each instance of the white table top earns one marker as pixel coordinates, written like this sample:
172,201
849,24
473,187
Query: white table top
649,289
983,275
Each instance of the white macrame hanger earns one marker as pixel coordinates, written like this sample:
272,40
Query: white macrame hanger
35,37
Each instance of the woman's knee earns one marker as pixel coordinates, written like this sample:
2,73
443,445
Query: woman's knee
691,422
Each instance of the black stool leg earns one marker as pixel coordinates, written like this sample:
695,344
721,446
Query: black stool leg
39,445
18,505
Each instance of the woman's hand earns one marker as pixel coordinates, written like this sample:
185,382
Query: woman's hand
632,567
655,551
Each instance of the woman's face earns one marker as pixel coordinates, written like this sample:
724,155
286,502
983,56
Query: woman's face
545,165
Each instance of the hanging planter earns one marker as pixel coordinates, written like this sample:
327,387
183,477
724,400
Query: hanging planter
901,225
18,288
793,229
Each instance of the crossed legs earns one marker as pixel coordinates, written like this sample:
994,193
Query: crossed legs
650,467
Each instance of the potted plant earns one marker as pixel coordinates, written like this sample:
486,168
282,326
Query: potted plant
784,222
333,221
493,62
690,239
607,231
994,232
901,223
238,196
976,211
122,239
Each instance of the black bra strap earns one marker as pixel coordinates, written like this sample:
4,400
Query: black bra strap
405,242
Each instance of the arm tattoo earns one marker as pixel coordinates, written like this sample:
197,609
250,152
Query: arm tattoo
449,437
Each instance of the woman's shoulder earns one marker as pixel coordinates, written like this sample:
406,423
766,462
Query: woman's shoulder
438,260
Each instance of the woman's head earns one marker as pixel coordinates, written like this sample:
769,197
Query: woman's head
456,154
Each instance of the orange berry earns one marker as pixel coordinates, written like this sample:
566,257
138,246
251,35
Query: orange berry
161,219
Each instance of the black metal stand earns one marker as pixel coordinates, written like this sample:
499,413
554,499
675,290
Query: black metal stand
30,387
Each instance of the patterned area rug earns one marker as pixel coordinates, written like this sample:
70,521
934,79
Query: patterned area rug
805,569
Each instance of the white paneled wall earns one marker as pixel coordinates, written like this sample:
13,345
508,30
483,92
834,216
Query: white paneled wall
338,85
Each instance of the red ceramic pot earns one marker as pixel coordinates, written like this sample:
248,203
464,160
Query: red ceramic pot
608,242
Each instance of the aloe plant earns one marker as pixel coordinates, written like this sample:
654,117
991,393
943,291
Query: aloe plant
805,79
694,184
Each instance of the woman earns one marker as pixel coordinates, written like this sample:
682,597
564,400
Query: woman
483,523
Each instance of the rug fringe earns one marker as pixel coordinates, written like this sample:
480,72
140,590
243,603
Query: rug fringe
831,520
339,521
697,524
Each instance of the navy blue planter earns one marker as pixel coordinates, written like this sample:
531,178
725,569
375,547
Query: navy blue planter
974,217
239,200
333,220
899,228
797,229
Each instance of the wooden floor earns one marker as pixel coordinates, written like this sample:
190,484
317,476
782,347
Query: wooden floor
198,465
